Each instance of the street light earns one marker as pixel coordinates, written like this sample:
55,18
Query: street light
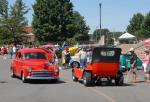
96,34
100,5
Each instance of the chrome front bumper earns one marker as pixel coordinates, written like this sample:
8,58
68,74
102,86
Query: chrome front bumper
42,77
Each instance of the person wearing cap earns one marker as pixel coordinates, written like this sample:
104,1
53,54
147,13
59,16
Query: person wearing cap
133,62
146,65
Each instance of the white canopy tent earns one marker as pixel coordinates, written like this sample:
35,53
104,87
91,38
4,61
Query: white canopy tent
126,36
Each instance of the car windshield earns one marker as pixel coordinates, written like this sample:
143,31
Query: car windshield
107,53
35,55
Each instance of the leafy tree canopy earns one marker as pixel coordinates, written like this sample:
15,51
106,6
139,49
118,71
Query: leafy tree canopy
54,20
12,21
136,23
139,25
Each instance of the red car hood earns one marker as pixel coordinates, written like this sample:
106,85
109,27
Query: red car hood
36,64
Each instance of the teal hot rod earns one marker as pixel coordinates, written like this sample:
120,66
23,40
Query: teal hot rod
125,62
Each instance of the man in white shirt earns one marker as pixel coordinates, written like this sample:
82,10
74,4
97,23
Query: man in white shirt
83,57
14,50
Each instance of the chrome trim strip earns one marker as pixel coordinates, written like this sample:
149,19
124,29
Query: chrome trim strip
41,78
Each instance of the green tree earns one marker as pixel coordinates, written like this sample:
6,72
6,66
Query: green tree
96,33
78,28
136,23
106,32
140,25
3,21
12,21
51,20
146,28
18,21
55,20
4,9
116,34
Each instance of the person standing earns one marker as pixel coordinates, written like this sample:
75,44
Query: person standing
89,55
58,56
83,57
14,50
67,58
146,65
10,50
4,52
133,61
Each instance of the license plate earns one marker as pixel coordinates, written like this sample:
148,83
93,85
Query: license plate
103,79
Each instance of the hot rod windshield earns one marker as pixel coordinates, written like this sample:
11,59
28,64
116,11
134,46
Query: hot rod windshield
107,52
35,55
102,54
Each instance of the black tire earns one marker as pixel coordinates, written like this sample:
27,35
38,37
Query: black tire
119,80
12,73
74,78
75,64
87,78
55,80
109,81
24,80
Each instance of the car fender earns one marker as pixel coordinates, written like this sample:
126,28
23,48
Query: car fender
24,70
88,69
74,58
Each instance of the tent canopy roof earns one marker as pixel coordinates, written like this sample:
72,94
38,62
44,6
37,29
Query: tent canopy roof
127,36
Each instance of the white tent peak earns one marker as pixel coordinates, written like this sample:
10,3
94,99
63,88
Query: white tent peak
30,34
127,36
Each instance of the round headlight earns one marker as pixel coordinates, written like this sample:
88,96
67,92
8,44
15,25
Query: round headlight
29,70
48,64
56,70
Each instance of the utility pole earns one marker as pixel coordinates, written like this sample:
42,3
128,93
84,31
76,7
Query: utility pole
96,34
100,26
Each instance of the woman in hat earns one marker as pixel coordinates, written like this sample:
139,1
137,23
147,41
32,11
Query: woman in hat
146,65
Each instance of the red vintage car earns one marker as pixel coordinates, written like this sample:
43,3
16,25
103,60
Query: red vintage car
104,66
49,49
33,63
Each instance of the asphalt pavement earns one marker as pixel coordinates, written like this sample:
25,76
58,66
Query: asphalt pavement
13,90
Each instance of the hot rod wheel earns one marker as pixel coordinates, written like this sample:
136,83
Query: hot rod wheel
87,78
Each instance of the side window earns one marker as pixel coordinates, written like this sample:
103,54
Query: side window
19,55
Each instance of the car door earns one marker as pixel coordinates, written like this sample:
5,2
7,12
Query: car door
19,59
20,63
14,64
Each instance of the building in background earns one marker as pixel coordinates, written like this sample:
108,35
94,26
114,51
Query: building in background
29,33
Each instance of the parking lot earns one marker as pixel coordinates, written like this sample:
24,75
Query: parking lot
13,90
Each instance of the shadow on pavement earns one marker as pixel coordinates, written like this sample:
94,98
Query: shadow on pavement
112,85
45,82
52,81
140,81
3,82
107,84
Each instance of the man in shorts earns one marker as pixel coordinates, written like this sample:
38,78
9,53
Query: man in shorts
133,61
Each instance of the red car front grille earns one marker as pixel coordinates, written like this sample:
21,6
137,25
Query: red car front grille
42,73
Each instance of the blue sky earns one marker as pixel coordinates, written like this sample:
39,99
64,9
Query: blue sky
115,13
